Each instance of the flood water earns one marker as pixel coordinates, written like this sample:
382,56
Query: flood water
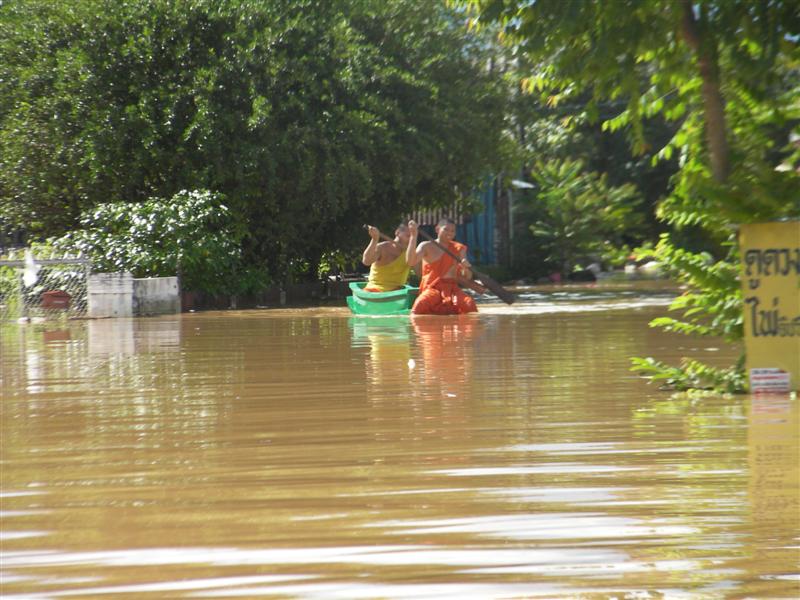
311,454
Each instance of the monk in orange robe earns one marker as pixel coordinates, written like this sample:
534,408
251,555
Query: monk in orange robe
439,291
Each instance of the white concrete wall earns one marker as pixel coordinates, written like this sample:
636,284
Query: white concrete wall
110,295
156,296
120,295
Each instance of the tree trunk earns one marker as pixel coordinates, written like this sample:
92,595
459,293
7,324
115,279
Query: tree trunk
705,51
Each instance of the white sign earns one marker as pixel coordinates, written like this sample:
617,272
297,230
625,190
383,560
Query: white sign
769,380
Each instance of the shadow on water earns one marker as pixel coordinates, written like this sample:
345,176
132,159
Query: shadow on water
312,454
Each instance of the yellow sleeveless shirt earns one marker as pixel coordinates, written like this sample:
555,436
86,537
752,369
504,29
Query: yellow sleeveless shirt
389,277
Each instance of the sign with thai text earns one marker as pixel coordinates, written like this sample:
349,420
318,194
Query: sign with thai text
770,381
771,287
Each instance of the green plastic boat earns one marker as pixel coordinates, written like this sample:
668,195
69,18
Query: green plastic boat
396,302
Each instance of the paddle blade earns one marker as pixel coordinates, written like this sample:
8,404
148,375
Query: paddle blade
494,287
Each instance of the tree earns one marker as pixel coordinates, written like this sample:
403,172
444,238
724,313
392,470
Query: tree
682,47
308,117
576,213
548,134
725,72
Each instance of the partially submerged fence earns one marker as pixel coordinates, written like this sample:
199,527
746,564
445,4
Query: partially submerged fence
53,286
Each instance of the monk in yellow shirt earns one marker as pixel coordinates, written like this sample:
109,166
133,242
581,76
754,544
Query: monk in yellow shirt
388,269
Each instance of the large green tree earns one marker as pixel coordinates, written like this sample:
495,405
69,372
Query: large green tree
310,117
726,73
686,50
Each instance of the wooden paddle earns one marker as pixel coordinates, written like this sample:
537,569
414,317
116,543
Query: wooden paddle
497,289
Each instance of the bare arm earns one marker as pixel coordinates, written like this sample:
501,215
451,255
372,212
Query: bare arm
420,252
412,252
372,252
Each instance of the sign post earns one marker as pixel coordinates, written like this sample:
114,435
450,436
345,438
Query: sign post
771,292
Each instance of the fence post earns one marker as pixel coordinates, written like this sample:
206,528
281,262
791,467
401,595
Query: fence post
23,303
25,313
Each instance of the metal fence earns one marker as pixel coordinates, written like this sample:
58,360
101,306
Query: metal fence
35,287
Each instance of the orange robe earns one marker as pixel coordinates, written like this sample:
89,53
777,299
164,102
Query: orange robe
439,295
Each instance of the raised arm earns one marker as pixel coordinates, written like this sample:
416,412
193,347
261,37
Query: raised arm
412,252
371,252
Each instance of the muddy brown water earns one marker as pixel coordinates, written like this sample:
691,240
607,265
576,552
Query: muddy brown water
311,454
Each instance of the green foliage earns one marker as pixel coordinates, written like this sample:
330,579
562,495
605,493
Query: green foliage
547,132
616,257
577,215
339,261
10,285
725,74
755,191
192,234
306,115
605,48
712,304
692,375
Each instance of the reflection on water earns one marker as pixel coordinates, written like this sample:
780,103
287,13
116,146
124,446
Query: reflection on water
447,350
311,454
127,336
389,343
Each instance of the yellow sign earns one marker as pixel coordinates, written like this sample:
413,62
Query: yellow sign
771,287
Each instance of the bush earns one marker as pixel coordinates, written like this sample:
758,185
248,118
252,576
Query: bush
192,234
